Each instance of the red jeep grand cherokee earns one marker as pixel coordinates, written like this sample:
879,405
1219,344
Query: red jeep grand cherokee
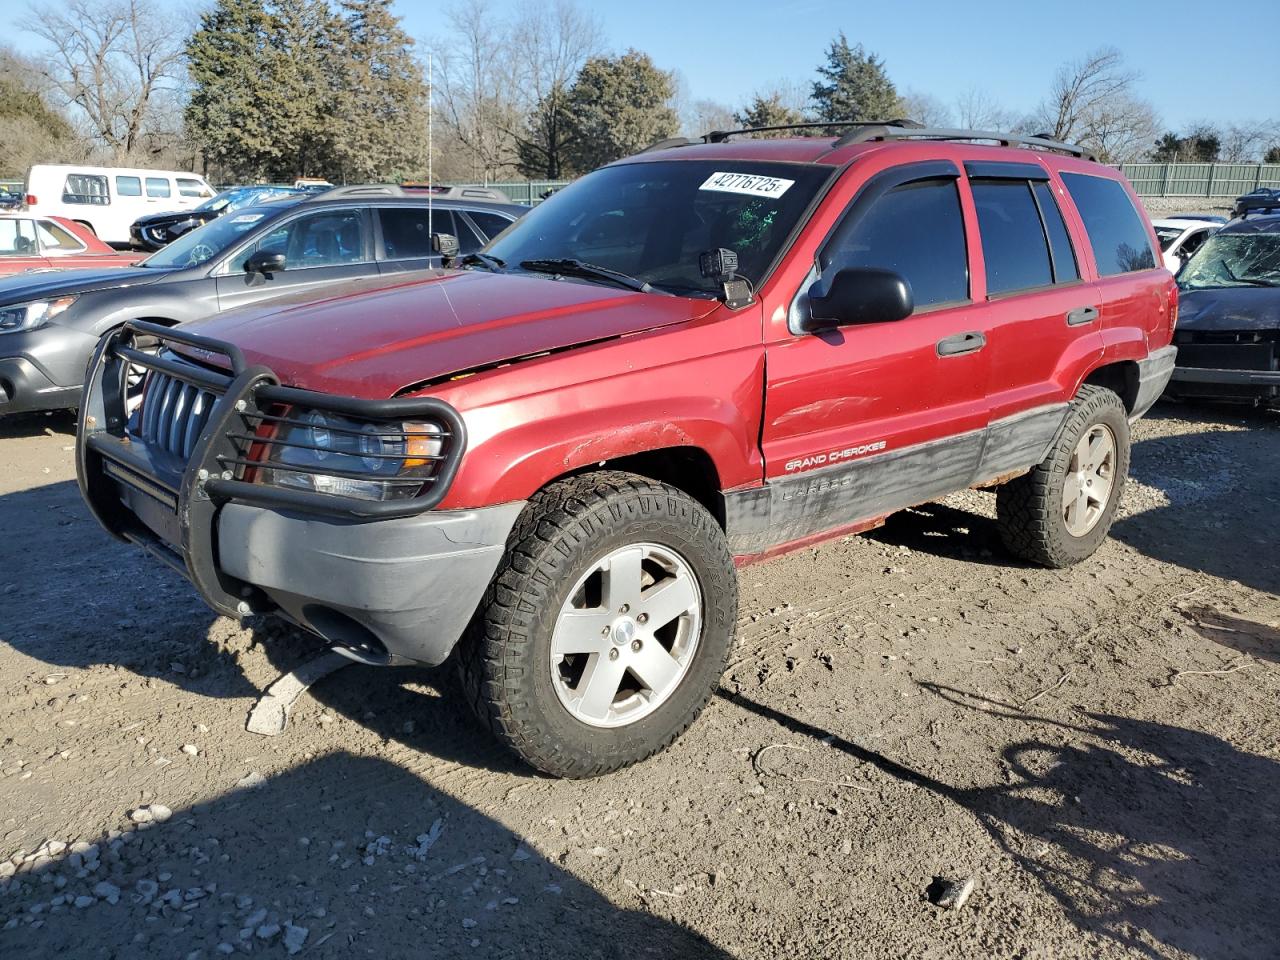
552,458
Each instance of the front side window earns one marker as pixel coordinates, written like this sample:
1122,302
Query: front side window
915,230
326,238
157,187
56,238
86,188
128,186
17,238
651,220
1116,231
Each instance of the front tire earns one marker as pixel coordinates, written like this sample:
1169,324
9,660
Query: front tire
1060,512
607,625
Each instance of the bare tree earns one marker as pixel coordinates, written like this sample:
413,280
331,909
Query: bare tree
1080,89
1247,142
116,64
703,116
926,109
976,109
1121,130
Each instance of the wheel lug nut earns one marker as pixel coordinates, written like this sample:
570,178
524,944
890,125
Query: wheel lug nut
613,653
624,608
604,632
643,618
635,646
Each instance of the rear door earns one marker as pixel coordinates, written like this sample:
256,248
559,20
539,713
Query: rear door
1045,320
404,236
866,419
320,247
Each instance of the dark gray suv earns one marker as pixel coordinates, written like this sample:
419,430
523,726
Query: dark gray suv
51,322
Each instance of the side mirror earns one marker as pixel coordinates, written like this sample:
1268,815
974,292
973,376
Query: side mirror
445,244
858,295
265,262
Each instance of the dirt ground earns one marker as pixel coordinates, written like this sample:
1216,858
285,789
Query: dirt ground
1099,749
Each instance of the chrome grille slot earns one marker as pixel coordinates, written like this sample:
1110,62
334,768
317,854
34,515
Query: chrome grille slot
174,414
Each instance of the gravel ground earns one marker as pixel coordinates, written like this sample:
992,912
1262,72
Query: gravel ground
1158,207
1097,749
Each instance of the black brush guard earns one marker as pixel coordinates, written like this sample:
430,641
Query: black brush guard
168,505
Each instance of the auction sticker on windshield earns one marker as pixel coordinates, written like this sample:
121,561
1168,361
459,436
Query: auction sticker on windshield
748,183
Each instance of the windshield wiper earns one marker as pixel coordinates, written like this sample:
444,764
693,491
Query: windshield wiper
1250,281
487,260
569,267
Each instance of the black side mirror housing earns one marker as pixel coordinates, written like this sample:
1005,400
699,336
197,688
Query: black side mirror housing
445,244
265,262
858,295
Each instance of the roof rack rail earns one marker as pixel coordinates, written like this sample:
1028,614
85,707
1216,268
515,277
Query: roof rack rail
892,131
720,136
357,190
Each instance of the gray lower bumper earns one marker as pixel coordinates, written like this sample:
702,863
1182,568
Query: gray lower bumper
384,591
1153,376
1244,378
24,387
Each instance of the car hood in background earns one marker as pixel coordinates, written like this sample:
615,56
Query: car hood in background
373,343
176,216
1229,308
41,285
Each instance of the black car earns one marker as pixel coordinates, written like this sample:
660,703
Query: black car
1228,333
155,230
50,322
1262,200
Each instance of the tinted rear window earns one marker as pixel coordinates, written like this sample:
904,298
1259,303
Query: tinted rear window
1116,231
915,230
1013,241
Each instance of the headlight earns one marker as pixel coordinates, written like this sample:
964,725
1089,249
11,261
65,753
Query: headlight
28,316
327,453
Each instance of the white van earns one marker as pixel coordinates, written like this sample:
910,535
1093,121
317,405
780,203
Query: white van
109,199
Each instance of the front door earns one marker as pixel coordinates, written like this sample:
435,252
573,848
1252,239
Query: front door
320,246
869,418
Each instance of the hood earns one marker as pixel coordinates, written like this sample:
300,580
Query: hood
1229,308
176,216
62,283
373,342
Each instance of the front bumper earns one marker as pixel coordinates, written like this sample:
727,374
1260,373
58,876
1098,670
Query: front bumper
25,387
1228,366
385,582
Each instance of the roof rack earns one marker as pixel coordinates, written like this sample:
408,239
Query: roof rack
358,190
893,131
720,136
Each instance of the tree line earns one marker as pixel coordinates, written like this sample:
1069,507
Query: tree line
276,89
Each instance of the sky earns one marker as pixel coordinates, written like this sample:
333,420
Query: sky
1198,61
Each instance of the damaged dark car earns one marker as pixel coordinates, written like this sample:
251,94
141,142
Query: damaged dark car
1228,333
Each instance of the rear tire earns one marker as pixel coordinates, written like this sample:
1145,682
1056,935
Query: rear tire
607,625
1060,512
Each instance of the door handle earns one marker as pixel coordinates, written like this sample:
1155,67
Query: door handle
961,343
1082,315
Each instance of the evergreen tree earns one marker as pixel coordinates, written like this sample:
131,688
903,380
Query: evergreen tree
543,146
382,99
617,106
854,85
235,67
1272,155
307,39
768,111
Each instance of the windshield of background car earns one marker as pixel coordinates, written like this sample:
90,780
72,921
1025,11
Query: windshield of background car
1234,260
1166,235
206,242
652,220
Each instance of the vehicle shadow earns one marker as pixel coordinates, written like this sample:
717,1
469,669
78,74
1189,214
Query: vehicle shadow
1220,488
72,597
34,424
1149,835
944,531
345,856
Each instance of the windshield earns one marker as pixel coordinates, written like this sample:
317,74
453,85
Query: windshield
206,242
1234,260
650,221
1166,235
